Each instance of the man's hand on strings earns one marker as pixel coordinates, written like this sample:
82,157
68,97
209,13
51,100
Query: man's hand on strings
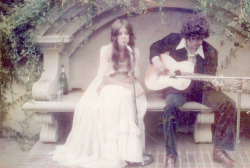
217,83
160,67
106,80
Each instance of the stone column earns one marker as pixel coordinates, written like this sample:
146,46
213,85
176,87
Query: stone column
202,127
51,46
49,132
46,87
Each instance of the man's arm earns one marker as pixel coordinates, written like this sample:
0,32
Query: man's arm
160,47
212,62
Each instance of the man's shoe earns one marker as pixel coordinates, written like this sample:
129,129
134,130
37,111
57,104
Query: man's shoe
221,156
133,164
170,161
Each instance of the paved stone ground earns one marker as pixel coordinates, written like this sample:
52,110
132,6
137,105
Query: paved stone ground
11,154
191,155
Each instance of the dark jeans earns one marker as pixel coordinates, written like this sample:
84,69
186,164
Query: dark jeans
225,118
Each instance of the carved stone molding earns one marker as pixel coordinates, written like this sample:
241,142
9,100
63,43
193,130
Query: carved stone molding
51,46
206,118
49,132
202,133
202,128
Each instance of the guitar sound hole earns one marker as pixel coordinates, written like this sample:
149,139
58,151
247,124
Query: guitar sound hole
178,72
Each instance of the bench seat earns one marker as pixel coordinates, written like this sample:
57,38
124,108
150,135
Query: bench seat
202,128
156,102
67,103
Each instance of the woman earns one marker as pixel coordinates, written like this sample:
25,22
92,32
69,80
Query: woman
105,132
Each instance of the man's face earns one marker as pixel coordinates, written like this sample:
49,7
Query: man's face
194,43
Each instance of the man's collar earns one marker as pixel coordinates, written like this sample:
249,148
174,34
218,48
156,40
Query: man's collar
183,43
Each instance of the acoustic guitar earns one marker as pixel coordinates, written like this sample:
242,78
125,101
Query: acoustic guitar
179,75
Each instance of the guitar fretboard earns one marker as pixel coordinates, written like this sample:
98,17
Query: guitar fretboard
196,76
209,78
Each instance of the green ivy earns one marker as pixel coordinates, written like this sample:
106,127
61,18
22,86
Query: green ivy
232,16
20,57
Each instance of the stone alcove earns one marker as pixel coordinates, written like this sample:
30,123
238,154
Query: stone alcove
65,44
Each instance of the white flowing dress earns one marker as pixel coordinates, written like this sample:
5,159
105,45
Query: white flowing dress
104,133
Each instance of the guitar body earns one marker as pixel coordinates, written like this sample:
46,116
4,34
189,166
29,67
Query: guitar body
154,81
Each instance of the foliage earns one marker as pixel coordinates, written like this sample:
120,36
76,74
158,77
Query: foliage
233,16
20,58
25,142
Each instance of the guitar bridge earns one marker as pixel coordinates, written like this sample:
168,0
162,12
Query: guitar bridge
172,75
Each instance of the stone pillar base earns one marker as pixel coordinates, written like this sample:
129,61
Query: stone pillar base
202,128
49,132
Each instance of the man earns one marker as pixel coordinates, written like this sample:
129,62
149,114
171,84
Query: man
190,45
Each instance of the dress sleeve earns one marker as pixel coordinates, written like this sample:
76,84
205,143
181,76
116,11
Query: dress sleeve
137,62
104,66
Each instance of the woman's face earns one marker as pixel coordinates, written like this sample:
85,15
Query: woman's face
123,37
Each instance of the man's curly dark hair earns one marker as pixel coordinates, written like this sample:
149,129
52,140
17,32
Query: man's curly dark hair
196,26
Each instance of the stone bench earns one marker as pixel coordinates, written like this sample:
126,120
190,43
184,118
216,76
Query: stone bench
66,44
45,113
204,119
205,115
48,109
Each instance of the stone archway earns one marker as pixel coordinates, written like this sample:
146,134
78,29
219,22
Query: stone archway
61,43
65,45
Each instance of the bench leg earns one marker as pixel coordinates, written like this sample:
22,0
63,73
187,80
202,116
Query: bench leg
202,128
202,133
49,132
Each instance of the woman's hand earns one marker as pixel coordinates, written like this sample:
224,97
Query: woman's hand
127,83
105,81
139,90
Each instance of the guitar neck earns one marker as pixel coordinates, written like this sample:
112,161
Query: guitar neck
233,81
202,77
195,76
